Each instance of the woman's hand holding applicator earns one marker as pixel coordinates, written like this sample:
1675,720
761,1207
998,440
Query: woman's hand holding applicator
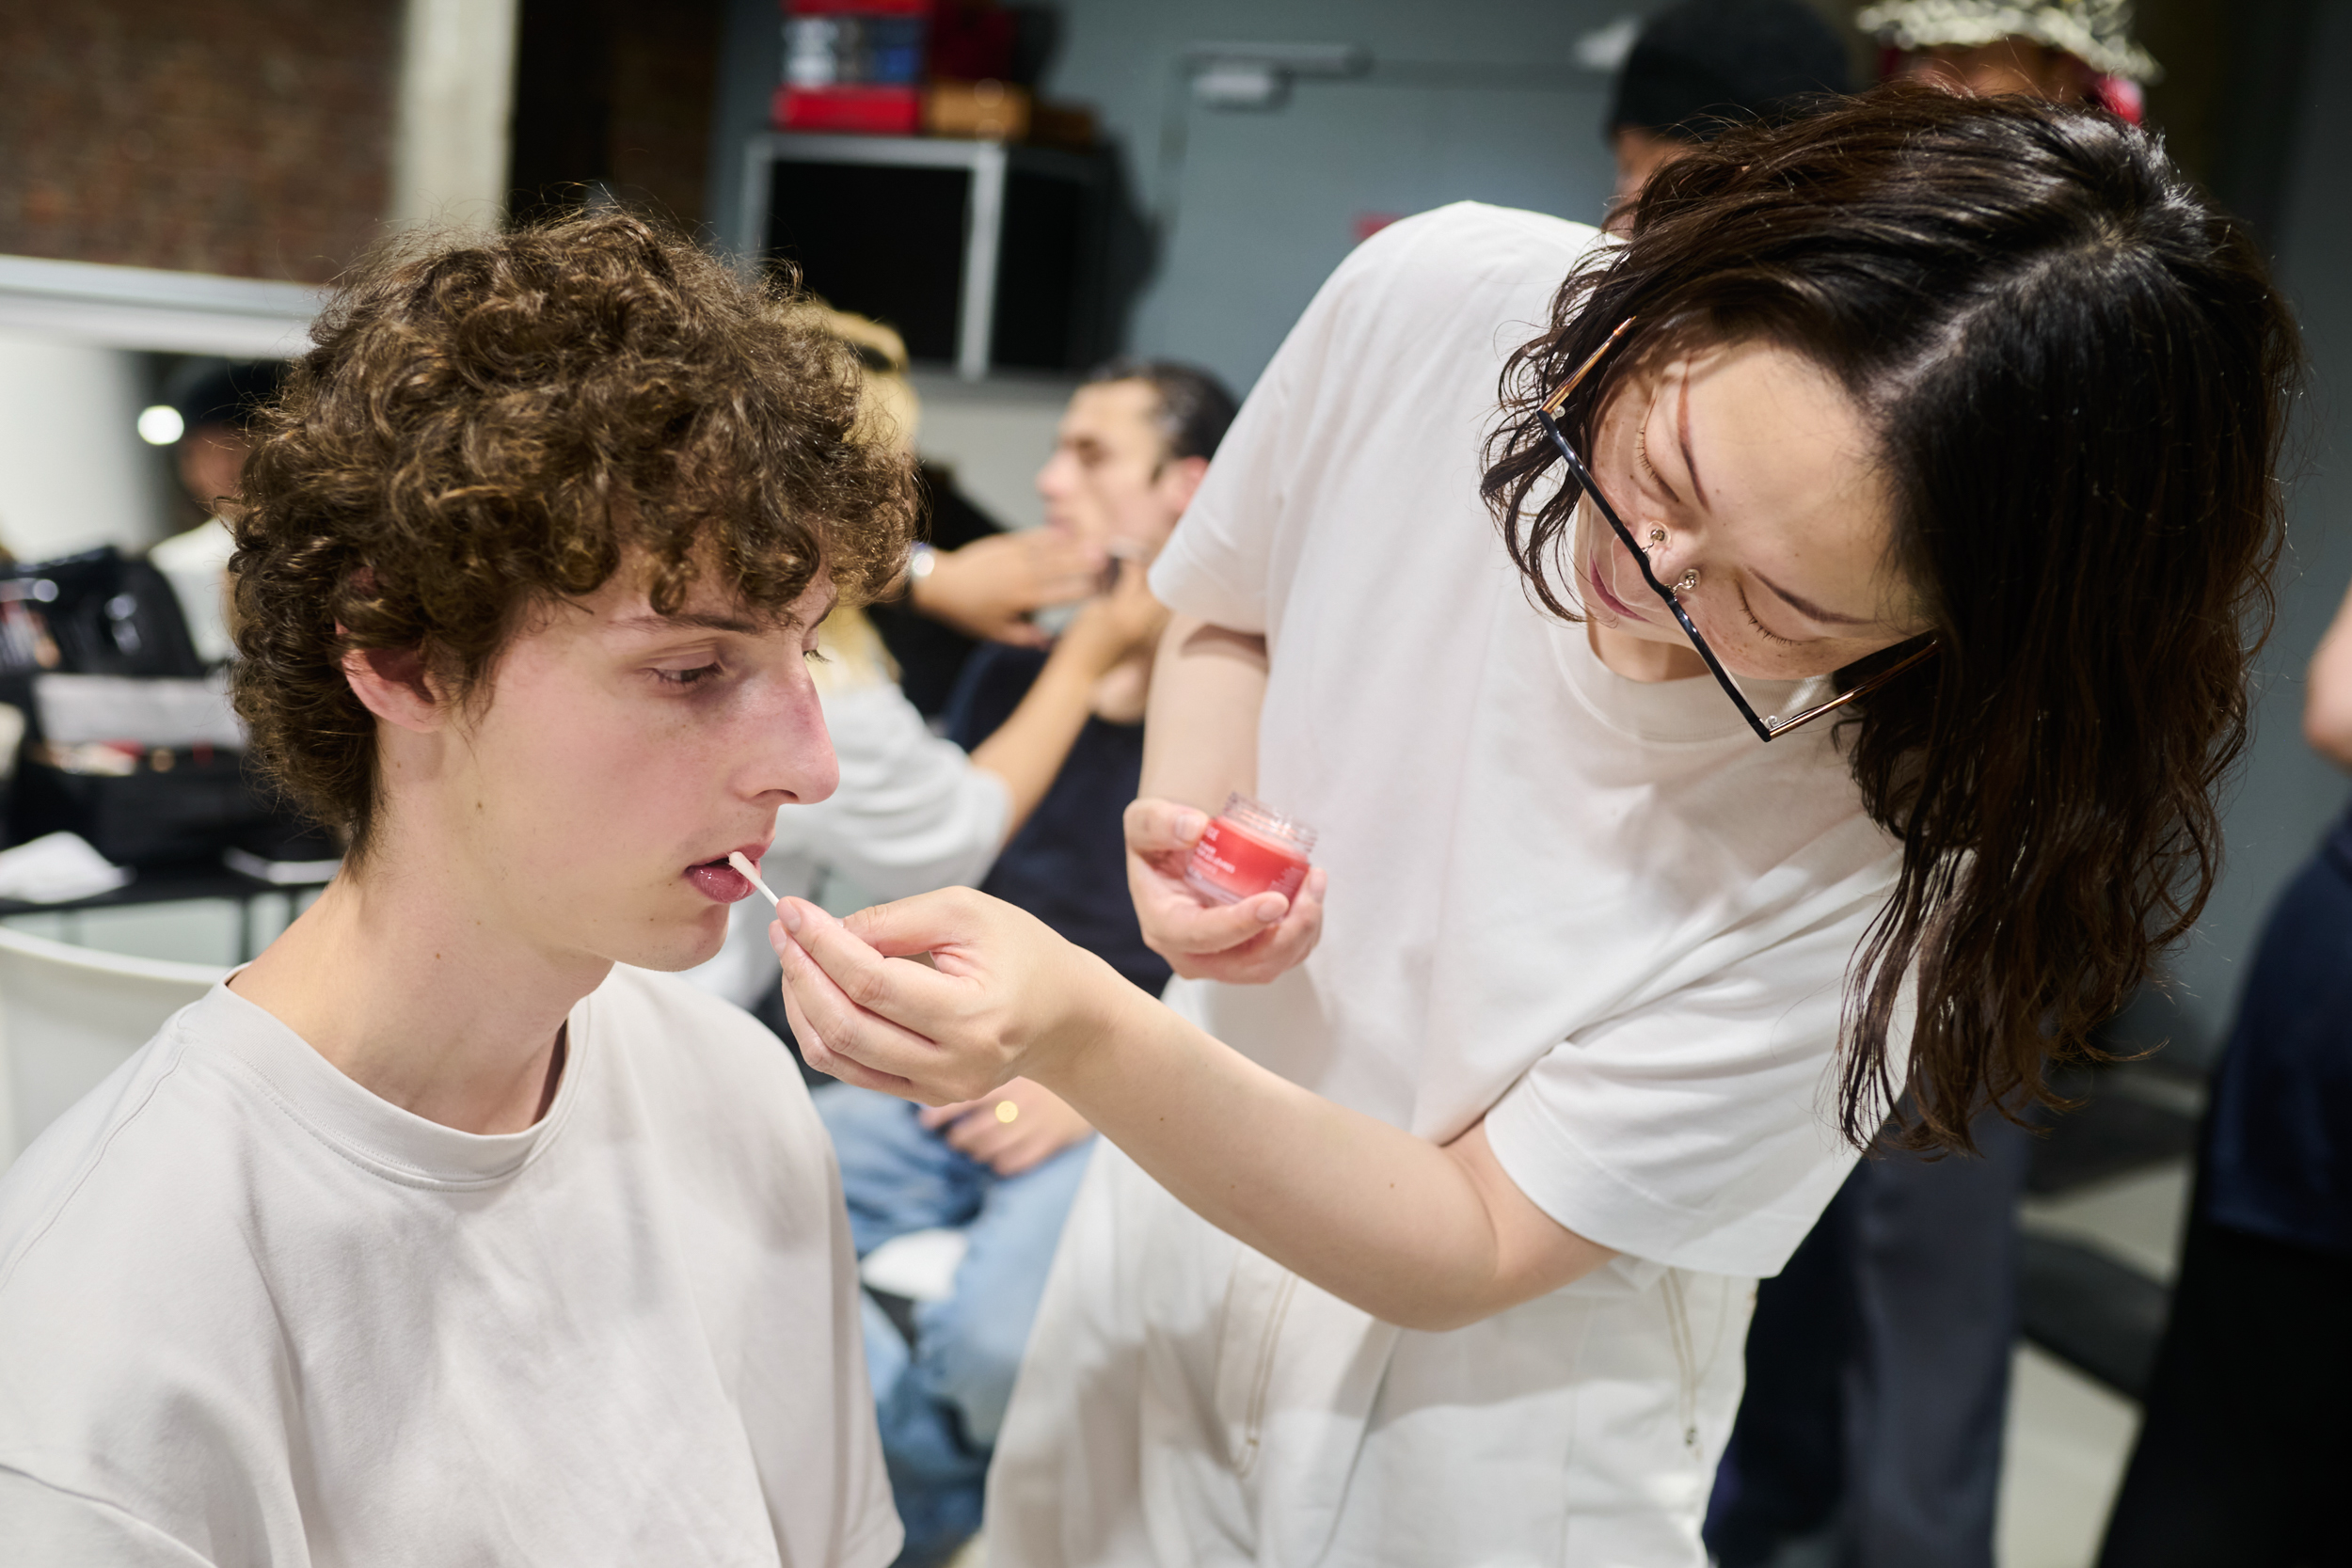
1451,1241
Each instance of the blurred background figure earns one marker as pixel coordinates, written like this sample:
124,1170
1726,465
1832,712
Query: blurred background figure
2244,1441
217,412
2067,51
1700,65
1133,446
970,580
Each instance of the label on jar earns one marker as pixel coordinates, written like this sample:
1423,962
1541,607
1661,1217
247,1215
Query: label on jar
1244,864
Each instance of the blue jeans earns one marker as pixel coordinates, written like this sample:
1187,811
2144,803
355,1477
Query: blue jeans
941,1403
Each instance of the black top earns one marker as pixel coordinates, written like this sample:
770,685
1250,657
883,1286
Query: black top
2279,1149
1068,864
931,655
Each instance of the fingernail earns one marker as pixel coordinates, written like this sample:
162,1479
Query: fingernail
1269,908
1192,823
789,914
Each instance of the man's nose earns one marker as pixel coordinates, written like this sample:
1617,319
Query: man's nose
794,750
1053,479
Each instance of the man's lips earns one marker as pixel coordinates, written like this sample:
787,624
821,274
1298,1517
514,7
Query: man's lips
721,882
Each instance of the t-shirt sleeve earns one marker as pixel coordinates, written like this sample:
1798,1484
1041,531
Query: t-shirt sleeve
1696,1130
1353,376
1220,562
43,1525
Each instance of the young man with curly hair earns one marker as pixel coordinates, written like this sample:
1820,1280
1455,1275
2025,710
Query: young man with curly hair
448,1231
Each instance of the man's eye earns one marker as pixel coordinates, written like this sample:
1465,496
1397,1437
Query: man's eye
696,677
816,656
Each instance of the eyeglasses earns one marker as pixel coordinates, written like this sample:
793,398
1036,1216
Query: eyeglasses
1766,728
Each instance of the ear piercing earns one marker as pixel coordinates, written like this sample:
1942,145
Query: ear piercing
1686,581
1657,536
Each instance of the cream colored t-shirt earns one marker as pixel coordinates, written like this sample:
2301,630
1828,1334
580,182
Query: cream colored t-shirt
250,1313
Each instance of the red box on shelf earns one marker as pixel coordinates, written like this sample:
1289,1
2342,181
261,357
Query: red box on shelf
867,111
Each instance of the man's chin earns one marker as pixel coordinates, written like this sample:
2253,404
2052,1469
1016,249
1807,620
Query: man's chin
675,947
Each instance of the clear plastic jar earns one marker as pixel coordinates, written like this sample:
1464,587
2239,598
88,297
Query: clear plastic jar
1249,848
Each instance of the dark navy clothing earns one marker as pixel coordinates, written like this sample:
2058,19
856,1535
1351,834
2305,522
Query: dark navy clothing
2278,1156
2243,1439
1068,864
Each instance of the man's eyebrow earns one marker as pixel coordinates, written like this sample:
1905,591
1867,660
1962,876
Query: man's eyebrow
688,619
1683,439
1807,608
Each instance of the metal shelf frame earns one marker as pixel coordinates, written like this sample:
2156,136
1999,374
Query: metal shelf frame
988,163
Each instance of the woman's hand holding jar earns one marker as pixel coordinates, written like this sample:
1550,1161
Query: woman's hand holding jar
1246,942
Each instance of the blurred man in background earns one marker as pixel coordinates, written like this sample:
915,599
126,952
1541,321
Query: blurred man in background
217,412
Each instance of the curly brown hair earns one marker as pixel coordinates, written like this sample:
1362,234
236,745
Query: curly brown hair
2079,375
485,425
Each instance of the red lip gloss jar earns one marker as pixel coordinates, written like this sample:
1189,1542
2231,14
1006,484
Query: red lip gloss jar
1248,849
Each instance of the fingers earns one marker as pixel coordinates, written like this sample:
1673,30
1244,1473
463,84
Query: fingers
936,1117
842,1034
1162,827
927,923
1246,943
1175,922
816,1054
1006,1149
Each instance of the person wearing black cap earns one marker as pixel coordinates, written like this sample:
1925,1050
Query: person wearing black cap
1704,64
216,409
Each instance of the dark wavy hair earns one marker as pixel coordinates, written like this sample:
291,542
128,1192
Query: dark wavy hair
2077,372
485,425
1196,410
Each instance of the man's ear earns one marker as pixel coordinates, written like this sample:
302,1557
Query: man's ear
393,684
1182,477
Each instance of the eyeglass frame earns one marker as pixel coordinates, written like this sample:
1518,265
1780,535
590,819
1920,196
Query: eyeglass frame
1767,729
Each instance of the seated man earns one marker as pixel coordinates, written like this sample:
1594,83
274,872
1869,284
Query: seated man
446,1231
1134,446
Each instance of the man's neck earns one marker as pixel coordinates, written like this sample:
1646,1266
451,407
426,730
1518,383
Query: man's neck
398,983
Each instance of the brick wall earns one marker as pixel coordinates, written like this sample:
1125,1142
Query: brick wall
246,138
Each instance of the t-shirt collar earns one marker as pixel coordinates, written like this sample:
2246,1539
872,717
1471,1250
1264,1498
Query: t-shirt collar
1695,709
372,1132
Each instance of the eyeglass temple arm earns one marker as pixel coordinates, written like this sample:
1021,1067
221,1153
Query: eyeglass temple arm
1863,690
1551,404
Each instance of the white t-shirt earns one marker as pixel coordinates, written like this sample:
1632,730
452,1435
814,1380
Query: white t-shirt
1598,913
195,564
250,1313
912,814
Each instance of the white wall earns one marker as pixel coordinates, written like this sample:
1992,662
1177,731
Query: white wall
1478,100
74,473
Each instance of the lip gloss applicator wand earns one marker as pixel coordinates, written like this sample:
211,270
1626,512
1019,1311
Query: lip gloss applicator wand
750,873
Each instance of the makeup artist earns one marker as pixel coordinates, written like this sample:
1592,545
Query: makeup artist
1431,1227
